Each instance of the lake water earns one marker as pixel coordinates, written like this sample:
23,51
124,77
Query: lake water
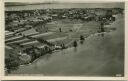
64,5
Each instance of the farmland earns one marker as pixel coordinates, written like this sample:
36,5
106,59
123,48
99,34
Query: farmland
43,39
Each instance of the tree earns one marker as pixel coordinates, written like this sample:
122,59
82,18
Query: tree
12,61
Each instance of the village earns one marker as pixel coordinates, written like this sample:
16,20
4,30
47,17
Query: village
30,34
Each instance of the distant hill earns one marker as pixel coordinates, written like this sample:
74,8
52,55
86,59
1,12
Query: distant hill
88,5
15,4
23,4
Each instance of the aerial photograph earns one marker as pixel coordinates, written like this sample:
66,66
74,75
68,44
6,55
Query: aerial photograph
64,39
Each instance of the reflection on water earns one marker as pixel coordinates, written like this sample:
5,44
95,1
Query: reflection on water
75,49
48,56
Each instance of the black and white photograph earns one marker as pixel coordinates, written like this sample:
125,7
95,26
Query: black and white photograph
64,39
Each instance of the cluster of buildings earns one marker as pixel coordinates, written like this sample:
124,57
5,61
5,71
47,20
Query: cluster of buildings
23,29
